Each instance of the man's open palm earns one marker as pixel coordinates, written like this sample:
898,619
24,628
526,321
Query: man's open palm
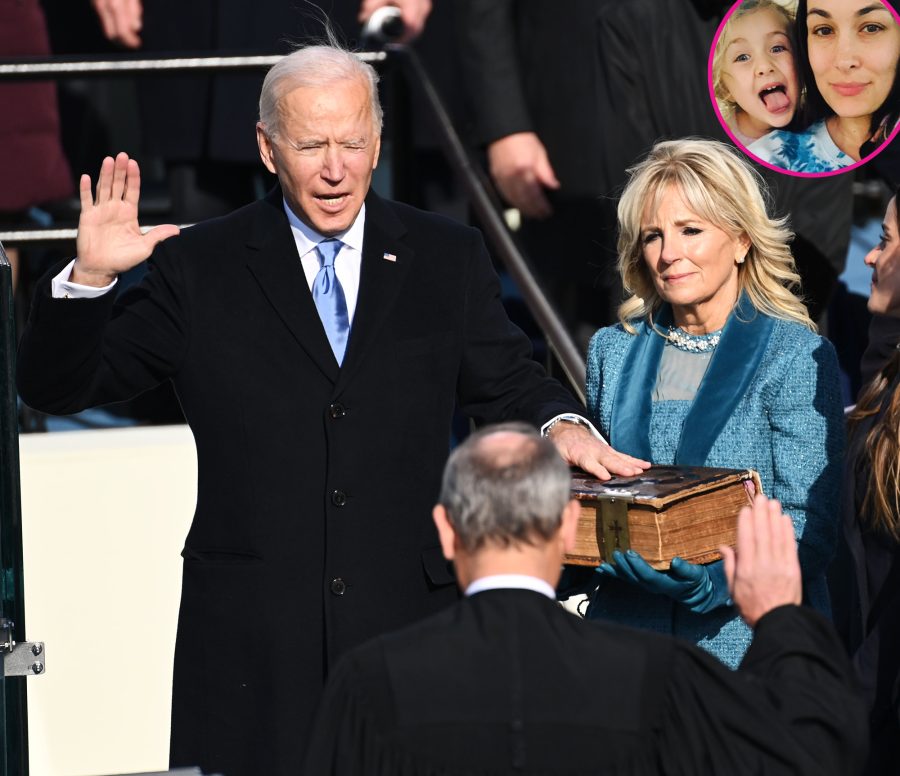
109,238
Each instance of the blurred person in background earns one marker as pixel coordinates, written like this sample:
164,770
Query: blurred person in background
33,168
871,518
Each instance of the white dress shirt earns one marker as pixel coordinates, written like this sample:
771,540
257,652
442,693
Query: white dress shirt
516,581
348,261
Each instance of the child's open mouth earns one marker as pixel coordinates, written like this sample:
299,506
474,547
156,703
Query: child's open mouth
775,98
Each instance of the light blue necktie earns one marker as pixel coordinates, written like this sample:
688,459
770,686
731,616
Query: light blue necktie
329,298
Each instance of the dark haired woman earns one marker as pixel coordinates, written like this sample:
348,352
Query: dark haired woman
847,53
872,519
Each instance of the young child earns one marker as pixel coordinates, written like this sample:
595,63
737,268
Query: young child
754,77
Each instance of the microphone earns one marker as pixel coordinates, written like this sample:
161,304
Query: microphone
385,25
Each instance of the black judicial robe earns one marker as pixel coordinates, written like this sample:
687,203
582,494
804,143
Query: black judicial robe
509,682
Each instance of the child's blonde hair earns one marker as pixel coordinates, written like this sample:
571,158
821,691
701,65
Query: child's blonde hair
727,106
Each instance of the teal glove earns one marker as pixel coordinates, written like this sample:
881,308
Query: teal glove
688,583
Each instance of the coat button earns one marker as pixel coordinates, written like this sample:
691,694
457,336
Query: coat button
338,498
338,586
337,410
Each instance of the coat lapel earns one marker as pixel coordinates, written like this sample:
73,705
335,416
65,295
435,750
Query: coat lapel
633,403
273,261
731,369
380,281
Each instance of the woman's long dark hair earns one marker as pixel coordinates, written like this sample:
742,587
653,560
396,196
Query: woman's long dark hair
815,107
881,505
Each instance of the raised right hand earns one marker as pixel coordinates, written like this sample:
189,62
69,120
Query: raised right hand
109,238
763,572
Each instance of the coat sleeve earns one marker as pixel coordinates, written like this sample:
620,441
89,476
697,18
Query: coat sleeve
593,388
791,708
486,32
808,439
78,353
498,379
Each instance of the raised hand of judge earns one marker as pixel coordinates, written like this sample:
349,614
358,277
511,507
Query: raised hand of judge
109,238
763,571
688,583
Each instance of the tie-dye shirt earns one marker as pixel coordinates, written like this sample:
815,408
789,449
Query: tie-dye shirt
812,150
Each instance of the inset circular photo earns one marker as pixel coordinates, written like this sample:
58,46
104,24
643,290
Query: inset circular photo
808,87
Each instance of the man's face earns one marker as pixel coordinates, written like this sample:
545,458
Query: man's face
323,153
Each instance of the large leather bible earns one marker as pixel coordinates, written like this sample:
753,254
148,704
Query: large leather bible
666,512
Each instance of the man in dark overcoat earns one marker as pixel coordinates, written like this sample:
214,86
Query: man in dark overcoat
318,341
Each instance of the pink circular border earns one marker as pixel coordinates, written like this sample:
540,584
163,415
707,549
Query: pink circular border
739,144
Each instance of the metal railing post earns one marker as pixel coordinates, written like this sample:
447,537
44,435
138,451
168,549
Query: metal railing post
479,192
13,707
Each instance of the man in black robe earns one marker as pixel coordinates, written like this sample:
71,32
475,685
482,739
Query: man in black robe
508,682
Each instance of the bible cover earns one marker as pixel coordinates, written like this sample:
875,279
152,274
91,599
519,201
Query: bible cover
666,512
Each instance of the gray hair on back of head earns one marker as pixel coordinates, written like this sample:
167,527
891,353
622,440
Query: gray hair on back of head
315,67
511,496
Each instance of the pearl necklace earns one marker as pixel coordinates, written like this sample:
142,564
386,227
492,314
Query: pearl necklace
693,343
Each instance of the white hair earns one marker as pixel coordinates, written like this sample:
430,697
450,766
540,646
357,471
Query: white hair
315,67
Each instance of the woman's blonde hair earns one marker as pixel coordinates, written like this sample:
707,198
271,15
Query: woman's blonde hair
719,186
727,105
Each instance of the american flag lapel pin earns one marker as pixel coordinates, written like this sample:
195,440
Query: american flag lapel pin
389,257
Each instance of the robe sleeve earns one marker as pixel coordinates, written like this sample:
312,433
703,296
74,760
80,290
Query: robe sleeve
792,707
807,423
349,737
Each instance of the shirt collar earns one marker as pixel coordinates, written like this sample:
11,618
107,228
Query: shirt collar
516,581
308,238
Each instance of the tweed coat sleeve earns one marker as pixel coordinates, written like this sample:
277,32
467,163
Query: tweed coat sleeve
604,362
806,418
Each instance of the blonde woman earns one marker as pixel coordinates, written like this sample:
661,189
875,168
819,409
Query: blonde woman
715,362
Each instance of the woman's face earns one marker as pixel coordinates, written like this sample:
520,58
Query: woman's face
884,259
693,263
853,50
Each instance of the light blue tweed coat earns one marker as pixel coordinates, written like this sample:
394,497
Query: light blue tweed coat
769,401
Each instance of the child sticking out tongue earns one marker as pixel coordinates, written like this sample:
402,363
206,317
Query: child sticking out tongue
754,75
